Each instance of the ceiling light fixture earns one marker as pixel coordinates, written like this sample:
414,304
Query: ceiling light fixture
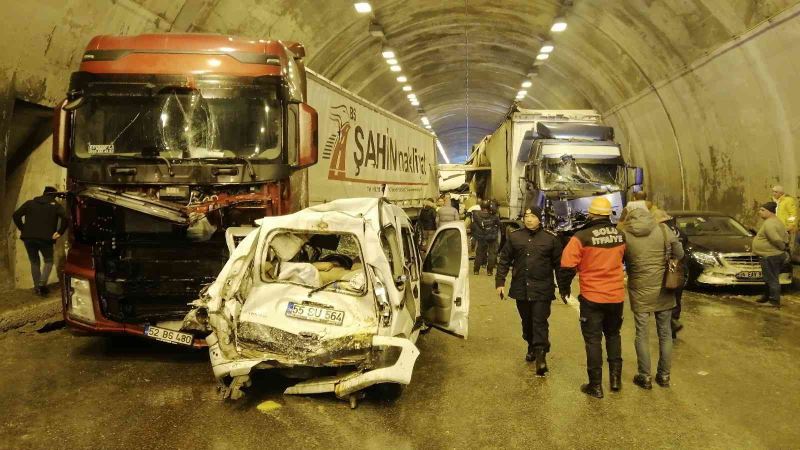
547,47
542,56
395,68
388,53
376,30
415,102
559,24
391,62
527,84
407,88
425,120
363,7
402,79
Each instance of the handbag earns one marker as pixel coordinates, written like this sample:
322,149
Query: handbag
673,270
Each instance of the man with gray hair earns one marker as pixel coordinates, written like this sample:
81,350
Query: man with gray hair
787,214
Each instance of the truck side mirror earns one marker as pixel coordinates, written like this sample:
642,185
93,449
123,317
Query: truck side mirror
303,136
62,123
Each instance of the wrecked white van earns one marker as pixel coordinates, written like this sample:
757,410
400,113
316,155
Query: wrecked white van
338,288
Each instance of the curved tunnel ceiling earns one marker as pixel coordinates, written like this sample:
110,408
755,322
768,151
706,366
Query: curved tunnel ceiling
467,59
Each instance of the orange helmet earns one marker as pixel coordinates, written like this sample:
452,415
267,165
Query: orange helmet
600,206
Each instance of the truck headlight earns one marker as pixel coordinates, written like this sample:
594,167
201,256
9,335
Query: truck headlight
706,259
79,300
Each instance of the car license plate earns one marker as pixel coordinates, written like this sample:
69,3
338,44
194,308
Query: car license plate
315,313
164,335
749,275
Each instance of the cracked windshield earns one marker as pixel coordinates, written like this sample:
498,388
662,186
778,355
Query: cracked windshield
583,168
181,123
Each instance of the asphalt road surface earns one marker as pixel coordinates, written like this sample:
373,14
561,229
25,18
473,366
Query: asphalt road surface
735,384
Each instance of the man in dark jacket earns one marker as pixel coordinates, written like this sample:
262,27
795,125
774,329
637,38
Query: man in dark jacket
534,254
596,253
427,221
485,228
41,221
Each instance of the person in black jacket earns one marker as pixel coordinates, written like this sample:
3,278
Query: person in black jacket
485,229
534,254
427,222
41,221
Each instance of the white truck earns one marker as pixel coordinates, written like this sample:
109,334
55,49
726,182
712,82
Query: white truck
558,160
366,151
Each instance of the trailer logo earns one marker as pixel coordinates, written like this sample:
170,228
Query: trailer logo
373,150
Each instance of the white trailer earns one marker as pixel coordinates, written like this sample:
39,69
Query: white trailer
366,151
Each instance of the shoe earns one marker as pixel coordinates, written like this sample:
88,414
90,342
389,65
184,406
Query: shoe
643,381
662,380
541,363
44,291
530,356
489,273
775,304
763,300
594,390
476,272
615,376
37,290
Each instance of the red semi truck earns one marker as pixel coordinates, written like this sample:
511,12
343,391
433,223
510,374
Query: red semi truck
169,140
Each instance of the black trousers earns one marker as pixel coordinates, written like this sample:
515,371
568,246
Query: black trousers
34,247
597,320
535,329
485,253
771,270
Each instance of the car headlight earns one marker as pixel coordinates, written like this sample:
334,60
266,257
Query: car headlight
384,306
79,300
708,259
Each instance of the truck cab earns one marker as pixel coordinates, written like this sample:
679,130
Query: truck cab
168,140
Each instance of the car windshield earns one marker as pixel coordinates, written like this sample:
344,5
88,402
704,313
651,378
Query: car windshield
567,172
710,226
208,122
329,261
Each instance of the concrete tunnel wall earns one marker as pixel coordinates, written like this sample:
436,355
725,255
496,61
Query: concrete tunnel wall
700,91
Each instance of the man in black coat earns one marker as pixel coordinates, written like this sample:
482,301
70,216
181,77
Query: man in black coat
41,221
485,228
534,254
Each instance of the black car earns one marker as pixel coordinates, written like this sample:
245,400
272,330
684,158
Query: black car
718,250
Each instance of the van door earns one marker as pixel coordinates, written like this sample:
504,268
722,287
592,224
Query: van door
445,282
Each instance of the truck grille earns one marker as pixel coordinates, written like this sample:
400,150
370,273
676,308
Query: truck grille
742,261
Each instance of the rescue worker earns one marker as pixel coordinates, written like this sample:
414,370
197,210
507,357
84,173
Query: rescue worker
41,221
787,214
534,255
596,253
485,228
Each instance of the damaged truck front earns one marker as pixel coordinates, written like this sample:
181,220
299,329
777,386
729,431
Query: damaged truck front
168,140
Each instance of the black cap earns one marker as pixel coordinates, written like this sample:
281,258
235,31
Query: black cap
770,206
535,210
49,190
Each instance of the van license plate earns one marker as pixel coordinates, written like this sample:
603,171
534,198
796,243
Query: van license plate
749,275
164,335
315,313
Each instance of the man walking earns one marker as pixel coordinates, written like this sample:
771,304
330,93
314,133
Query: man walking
596,253
427,222
485,228
787,214
648,246
534,254
41,221
770,245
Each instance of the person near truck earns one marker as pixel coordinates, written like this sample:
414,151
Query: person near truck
485,229
648,246
41,222
770,244
446,212
596,253
787,214
533,254
468,224
427,222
